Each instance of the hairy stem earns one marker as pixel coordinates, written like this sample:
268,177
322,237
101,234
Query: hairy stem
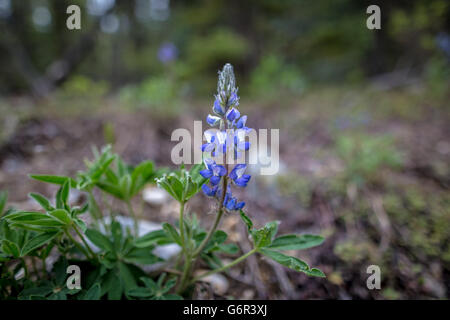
187,253
94,256
231,264
95,211
75,242
191,260
133,215
216,222
186,273
181,223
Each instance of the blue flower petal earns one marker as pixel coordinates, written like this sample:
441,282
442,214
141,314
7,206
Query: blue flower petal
212,120
214,180
240,205
232,114
231,204
234,100
217,108
222,170
241,122
210,192
206,173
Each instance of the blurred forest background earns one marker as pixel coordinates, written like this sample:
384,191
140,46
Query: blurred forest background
363,118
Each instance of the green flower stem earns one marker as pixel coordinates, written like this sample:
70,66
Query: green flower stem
181,220
216,222
231,264
191,259
96,207
186,273
133,215
94,256
75,242
187,252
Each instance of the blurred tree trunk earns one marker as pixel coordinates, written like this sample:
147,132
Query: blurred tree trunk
41,83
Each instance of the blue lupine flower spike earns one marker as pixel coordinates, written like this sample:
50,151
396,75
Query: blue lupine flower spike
226,116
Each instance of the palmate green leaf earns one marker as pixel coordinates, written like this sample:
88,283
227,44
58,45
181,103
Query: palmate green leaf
111,285
112,189
155,290
190,187
212,260
37,242
125,184
150,283
41,292
314,272
171,296
3,199
140,292
102,162
157,236
99,239
246,220
10,248
122,167
43,201
126,276
141,256
291,262
193,181
195,174
172,233
96,168
141,175
62,196
296,242
111,176
54,179
170,283
60,271
77,210
94,292
117,234
263,237
33,218
216,240
62,215
172,184
182,185
31,227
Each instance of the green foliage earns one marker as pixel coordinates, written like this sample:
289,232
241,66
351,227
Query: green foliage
53,289
182,184
265,242
158,93
273,77
365,155
81,86
296,242
152,290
